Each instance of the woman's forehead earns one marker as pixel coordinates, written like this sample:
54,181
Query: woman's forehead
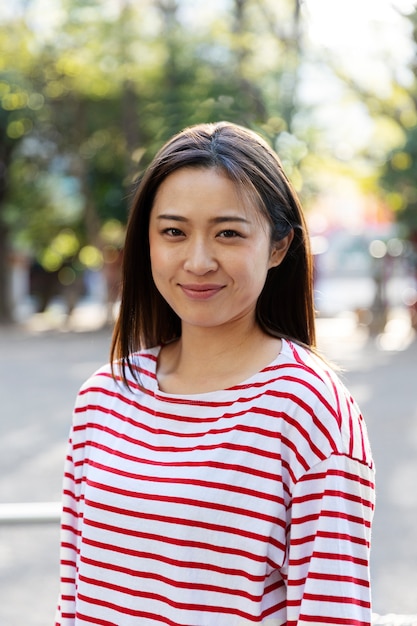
213,182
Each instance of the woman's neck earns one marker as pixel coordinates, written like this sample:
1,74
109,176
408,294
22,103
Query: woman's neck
210,359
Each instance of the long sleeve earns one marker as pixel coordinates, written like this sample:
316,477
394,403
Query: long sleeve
327,572
65,614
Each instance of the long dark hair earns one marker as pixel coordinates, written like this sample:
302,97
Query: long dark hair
285,306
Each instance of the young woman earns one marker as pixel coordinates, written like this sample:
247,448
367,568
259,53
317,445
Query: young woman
218,473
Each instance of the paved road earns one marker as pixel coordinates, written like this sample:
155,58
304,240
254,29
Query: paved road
40,373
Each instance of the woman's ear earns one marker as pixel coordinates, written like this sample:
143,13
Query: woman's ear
280,249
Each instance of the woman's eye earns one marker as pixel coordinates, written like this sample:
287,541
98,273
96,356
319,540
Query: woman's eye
173,232
229,234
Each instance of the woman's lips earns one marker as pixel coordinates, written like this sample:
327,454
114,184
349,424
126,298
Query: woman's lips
201,292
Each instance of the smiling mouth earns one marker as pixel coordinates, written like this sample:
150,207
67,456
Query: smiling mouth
201,292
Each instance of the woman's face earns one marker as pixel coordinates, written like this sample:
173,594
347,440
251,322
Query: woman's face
210,252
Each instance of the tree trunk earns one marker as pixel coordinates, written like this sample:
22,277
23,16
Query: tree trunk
246,86
6,313
6,309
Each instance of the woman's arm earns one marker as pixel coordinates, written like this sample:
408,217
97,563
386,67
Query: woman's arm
65,614
327,573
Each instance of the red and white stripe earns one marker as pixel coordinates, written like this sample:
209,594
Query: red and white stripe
251,505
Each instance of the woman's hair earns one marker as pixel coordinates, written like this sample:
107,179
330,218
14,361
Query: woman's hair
285,306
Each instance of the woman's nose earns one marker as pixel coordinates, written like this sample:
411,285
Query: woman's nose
199,258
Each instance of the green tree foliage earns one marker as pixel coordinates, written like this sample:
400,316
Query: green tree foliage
399,172
399,179
398,175
90,92
20,104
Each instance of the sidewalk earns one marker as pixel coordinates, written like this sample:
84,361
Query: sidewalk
87,316
342,335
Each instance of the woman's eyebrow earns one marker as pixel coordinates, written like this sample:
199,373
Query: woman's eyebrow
176,218
220,219
229,218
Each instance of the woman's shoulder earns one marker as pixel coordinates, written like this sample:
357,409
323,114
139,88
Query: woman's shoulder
317,381
333,408
308,367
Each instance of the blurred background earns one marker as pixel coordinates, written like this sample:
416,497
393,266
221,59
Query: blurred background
89,90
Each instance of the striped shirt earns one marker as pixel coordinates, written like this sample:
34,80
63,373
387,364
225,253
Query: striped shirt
249,505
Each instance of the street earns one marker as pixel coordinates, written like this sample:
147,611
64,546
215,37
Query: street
40,373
